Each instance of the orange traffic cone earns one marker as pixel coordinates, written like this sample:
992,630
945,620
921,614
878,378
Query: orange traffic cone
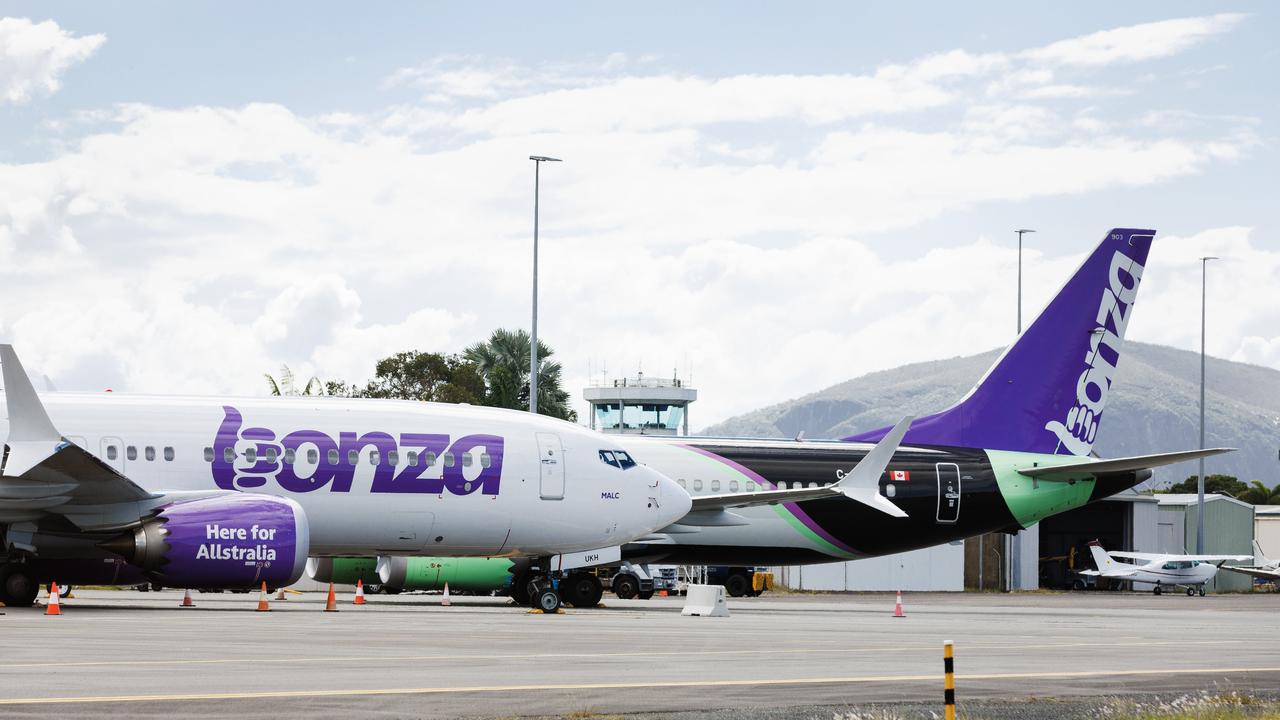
359,592
444,599
53,608
331,605
262,599
186,599
897,606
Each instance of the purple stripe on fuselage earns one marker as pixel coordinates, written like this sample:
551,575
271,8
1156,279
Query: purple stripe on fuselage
793,508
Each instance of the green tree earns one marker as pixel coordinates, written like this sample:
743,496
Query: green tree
286,385
413,375
503,360
1259,494
1222,484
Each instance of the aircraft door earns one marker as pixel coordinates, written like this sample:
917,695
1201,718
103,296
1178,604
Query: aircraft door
948,492
113,453
551,461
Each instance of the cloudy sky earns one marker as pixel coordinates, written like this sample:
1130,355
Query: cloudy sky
772,197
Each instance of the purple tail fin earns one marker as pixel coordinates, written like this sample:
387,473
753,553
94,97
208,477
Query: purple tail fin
1047,392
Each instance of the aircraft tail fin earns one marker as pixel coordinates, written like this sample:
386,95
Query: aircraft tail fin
1260,558
1101,558
1047,392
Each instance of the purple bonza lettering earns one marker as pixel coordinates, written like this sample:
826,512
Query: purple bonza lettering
334,468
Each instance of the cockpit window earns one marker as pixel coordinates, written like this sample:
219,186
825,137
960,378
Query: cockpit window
606,457
624,460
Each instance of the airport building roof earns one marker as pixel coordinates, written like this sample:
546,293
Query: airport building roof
1191,498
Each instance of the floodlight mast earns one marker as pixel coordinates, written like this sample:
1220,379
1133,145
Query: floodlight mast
533,332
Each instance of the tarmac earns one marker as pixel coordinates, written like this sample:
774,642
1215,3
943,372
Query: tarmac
124,653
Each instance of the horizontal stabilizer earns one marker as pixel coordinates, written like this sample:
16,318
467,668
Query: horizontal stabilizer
1128,464
1258,572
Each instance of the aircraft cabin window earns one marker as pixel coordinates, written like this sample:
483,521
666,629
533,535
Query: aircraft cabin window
413,458
229,455
466,459
890,490
733,486
448,459
431,459
272,454
333,456
751,486
486,460
715,486
1170,566
697,486
289,455
373,457
150,453
208,454
313,456
168,453
607,458
131,453
112,453
353,457
251,454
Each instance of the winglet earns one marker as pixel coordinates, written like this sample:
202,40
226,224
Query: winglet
862,483
32,436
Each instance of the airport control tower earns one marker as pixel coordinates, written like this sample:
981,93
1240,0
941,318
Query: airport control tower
641,406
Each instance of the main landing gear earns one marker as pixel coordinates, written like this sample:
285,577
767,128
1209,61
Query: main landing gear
18,586
537,588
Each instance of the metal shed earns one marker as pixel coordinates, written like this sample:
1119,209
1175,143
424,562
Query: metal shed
1228,530
1266,528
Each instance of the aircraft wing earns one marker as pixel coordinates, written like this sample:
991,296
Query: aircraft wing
1258,572
46,473
1166,556
862,484
1126,464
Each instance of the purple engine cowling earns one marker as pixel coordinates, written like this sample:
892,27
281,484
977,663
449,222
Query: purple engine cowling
229,541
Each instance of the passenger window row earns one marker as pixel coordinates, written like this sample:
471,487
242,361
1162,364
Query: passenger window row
750,485
131,453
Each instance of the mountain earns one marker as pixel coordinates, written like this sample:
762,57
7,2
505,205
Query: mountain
1154,407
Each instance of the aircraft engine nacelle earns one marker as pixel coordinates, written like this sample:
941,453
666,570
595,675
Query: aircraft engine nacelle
228,541
343,570
461,573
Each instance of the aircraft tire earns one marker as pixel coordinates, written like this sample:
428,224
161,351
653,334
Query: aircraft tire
1156,589
18,586
582,590
520,590
1201,591
626,586
547,600
1191,592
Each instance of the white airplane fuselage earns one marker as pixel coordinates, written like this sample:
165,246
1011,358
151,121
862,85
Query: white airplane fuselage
382,476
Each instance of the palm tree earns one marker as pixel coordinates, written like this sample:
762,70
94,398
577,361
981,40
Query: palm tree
285,385
1259,494
503,360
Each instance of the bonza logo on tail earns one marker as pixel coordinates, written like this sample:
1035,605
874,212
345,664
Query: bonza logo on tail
308,460
1081,427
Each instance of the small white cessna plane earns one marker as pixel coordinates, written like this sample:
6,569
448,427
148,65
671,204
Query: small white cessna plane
1266,569
1189,571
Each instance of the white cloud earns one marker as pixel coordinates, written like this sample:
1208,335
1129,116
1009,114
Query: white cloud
192,249
1134,43
34,56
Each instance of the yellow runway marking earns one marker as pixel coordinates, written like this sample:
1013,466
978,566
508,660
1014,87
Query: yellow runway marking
453,658
771,682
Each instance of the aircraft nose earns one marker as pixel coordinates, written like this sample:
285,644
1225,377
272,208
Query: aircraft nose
673,502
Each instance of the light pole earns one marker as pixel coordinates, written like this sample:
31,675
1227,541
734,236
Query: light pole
1020,234
1204,265
533,334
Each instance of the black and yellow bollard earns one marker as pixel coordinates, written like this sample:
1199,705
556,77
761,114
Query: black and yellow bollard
949,666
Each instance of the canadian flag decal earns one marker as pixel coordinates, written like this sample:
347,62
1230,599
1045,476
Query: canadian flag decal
899,475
